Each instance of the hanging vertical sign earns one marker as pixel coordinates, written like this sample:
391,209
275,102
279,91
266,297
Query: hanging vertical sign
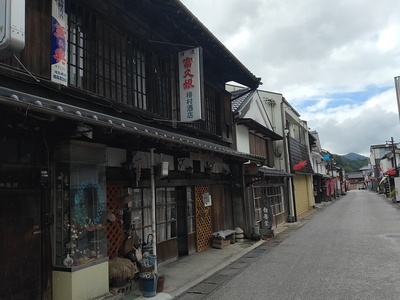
267,216
191,85
59,43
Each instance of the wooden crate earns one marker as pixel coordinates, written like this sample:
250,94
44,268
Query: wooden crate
220,243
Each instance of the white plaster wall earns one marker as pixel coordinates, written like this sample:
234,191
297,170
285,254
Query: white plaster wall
87,283
242,136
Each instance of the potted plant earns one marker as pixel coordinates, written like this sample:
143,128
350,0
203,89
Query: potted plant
393,194
120,270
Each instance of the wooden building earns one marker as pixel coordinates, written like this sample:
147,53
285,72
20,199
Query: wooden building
102,123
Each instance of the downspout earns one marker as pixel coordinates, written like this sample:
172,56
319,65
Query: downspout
153,205
292,181
292,210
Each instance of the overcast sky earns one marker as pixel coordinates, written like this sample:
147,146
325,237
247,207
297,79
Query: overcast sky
334,61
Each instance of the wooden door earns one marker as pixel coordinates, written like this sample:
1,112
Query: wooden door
20,244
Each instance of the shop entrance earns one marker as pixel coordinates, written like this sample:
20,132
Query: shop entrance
20,240
186,221
182,223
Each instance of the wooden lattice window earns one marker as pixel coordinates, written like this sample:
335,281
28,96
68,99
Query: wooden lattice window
115,231
203,219
106,61
212,112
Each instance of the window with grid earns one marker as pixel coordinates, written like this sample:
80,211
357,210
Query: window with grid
107,62
212,111
141,213
165,214
275,196
275,193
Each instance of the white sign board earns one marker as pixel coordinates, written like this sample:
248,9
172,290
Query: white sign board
191,85
59,43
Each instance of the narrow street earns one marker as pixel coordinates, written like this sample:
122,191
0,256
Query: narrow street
349,249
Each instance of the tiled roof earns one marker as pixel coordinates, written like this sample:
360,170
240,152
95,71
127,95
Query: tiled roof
240,99
63,110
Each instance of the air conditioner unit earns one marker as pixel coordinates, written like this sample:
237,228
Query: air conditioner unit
162,169
12,27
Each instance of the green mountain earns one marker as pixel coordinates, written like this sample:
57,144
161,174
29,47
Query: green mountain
351,162
355,156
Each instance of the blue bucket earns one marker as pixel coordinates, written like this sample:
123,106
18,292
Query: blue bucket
152,259
149,286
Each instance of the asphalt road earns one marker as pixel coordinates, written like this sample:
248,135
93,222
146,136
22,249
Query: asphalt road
349,249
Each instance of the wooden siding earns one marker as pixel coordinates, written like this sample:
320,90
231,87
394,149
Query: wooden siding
258,145
221,208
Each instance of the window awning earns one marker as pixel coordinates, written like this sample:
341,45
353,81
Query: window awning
90,117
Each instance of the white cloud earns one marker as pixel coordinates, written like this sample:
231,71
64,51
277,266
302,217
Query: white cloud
389,38
311,51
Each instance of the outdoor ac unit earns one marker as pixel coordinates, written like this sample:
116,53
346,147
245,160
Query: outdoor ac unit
162,169
12,27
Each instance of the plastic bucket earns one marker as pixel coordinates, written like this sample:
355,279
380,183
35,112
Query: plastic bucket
152,259
149,286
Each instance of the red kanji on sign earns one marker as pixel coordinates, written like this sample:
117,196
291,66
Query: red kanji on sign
187,62
187,73
59,55
188,84
60,31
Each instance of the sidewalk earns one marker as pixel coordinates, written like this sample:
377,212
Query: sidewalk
189,271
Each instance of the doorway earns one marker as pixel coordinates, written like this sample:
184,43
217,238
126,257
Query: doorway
182,224
186,232
21,241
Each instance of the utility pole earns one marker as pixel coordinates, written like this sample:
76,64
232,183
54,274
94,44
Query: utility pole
394,163
333,180
394,157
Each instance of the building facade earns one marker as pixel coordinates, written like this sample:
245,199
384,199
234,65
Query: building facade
111,123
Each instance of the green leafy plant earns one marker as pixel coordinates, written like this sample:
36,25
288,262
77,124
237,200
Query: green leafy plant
393,194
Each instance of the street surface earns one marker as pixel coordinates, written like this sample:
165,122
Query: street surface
348,249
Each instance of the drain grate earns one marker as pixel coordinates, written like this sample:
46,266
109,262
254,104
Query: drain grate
259,250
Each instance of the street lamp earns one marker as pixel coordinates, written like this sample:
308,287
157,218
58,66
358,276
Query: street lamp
394,164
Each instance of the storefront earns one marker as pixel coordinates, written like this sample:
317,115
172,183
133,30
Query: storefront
80,195
267,194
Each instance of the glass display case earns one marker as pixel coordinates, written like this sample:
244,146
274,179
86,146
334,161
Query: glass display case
80,231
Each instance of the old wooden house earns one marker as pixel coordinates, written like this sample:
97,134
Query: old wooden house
113,117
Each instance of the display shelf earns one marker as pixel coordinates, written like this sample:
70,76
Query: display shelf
79,206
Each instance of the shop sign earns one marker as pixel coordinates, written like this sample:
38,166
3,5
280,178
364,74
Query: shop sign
191,85
59,43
